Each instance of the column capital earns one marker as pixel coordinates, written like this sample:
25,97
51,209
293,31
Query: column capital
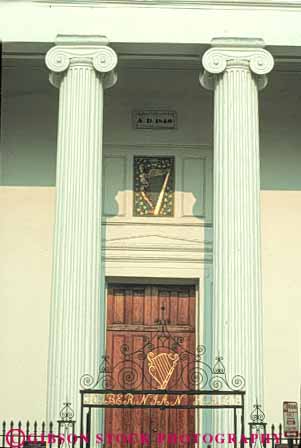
82,51
227,53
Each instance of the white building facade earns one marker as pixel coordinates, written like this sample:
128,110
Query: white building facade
227,75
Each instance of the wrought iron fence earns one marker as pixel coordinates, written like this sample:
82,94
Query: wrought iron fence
54,434
61,434
275,437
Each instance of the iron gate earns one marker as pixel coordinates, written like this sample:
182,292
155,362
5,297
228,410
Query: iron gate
163,361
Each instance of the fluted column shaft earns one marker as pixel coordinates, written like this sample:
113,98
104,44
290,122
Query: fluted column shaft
236,72
77,335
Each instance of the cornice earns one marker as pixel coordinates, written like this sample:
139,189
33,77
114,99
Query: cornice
159,249
185,4
158,241
155,259
123,222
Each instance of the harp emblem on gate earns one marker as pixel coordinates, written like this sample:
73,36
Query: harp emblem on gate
162,366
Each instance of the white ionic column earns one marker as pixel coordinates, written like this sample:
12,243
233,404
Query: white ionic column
81,67
236,69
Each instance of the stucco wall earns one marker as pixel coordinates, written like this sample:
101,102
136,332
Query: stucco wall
281,243
26,242
26,226
27,210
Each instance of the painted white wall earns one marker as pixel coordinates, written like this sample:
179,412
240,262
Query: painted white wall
26,225
281,244
27,209
26,243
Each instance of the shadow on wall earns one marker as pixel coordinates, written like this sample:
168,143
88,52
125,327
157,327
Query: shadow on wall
280,132
30,107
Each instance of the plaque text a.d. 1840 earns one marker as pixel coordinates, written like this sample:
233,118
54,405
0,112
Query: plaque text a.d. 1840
154,119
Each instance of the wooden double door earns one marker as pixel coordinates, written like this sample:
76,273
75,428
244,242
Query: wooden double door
132,312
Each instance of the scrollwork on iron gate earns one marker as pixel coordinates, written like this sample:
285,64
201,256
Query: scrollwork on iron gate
162,362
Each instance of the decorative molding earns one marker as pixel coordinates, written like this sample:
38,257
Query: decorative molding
157,248
159,237
176,222
158,243
158,146
144,249
154,259
179,4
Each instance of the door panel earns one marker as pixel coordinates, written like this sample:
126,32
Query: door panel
132,312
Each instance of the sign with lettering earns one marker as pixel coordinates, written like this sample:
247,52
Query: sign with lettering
290,419
117,399
154,119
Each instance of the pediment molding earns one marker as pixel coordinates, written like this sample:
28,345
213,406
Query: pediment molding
157,248
157,241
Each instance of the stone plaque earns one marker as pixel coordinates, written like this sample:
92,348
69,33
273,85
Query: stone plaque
154,119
